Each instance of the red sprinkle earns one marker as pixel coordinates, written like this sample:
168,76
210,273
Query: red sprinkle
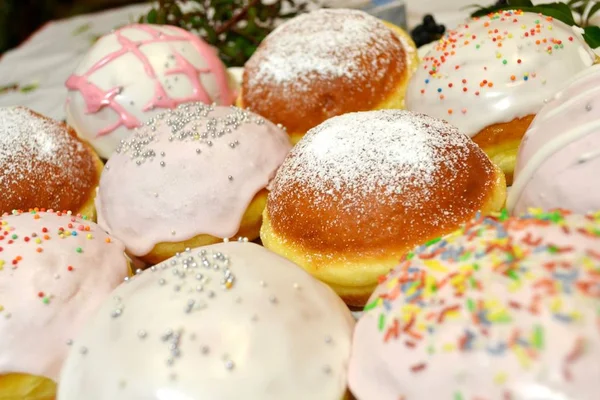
70,268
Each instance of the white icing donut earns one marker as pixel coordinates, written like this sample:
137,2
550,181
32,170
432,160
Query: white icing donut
132,73
559,159
504,309
497,68
55,271
229,321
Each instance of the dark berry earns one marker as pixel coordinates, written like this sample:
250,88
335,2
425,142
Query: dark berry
501,3
428,31
428,20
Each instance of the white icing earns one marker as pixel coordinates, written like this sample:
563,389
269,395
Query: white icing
478,83
276,334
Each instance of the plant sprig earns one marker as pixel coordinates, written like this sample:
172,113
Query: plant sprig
234,27
560,11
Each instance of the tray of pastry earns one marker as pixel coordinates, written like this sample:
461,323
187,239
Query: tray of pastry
189,235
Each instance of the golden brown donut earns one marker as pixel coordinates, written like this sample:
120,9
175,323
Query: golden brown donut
361,189
327,63
43,164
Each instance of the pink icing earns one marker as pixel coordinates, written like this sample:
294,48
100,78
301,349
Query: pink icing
187,172
44,302
95,98
559,158
491,312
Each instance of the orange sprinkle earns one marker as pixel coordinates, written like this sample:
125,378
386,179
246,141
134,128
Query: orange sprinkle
46,237
512,77
107,240
449,111
490,84
39,250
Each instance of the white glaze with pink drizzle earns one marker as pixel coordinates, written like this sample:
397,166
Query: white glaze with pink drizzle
44,303
134,72
497,68
190,171
559,159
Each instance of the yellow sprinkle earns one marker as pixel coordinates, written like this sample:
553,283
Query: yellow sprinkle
522,356
556,305
1,308
60,235
498,55
500,378
89,236
523,26
515,285
510,35
448,347
435,265
576,315
38,240
1,265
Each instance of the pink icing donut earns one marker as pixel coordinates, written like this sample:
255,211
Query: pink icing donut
559,159
130,74
191,171
505,308
55,270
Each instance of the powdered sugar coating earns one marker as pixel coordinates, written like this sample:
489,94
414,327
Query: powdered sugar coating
362,152
30,145
390,174
300,49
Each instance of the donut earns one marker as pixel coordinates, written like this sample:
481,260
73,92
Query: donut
504,308
491,76
327,63
228,321
362,189
559,159
190,177
44,164
55,270
133,73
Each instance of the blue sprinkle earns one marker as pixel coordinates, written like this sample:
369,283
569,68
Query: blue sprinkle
439,90
525,78
413,296
563,317
426,80
73,233
499,349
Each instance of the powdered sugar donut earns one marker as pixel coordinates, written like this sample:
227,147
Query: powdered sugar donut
55,270
491,76
505,308
190,177
134,72
559,158
228,321
326,63
44,164
361,189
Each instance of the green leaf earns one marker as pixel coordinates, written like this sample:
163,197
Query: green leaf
520,3
151,17
592,36
82,29
29,88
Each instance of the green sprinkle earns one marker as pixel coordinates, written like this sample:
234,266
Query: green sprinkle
29,88
410,256
503,215
46,300
473,282
503,318
433,287
371,305
433,241
458,396
79,250
465,256
470,305
430,349
552,249
81,29
512,274
14,236
381,321
504,62
476,267
538,337
477,46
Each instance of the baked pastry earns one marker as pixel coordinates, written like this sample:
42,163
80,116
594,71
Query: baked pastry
559,159
55,270
44,164
362,189
190,177
228,321
327,63
491,76
505,308
133,73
